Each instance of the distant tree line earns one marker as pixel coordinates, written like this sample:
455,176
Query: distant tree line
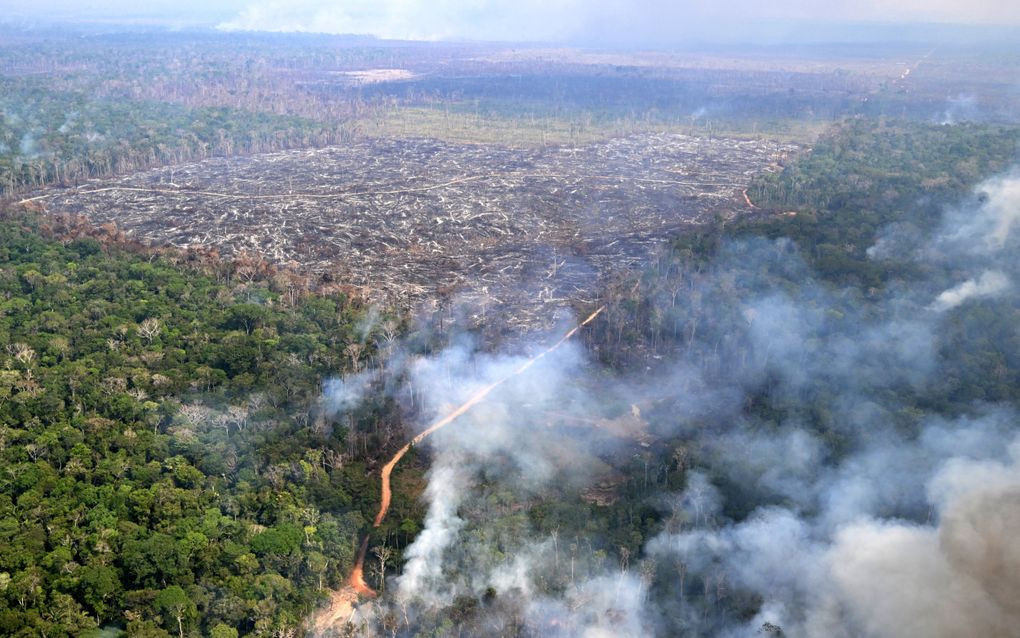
65,138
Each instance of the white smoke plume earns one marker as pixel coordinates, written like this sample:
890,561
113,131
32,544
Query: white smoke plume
986,228
343,394
423,572
991,283
1002,207
961,108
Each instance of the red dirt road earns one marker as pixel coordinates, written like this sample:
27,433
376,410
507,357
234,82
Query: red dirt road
342,606
474,400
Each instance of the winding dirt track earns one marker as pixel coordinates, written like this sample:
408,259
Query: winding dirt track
356,581
747,199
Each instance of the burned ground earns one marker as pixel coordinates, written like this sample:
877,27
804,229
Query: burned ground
407,219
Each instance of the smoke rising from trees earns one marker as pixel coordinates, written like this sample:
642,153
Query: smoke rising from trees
885,523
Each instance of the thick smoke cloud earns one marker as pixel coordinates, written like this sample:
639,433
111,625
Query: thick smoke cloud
886,522
843,561
957,579
906,536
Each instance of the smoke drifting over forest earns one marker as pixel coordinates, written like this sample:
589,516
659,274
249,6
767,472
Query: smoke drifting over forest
582,318
887,522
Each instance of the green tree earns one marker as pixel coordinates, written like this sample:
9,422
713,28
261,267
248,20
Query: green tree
175,603
99,584
222,631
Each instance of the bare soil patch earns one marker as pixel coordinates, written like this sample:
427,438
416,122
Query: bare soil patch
374,76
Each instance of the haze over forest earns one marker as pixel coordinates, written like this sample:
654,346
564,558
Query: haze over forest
491,318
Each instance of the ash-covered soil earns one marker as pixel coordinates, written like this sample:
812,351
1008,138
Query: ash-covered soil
407,220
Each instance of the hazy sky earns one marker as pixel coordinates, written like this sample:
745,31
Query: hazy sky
515,19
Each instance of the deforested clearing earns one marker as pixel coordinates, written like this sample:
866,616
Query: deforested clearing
403,220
